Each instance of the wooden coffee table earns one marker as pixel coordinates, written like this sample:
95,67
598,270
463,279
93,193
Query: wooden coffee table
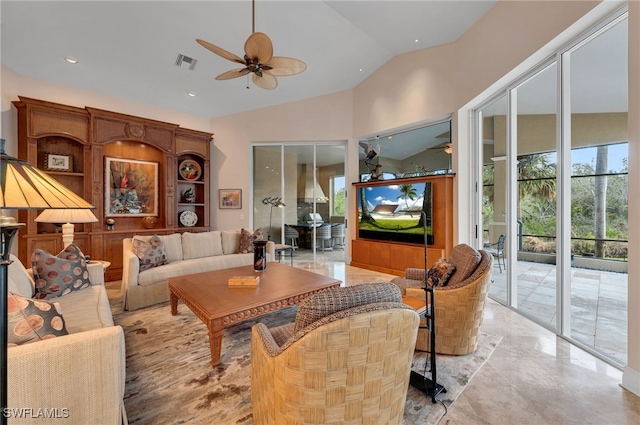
218,305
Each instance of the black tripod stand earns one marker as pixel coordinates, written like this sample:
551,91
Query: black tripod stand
428,386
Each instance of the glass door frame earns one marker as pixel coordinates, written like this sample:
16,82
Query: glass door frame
283,145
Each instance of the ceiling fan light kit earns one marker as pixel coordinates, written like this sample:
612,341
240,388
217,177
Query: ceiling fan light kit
258,60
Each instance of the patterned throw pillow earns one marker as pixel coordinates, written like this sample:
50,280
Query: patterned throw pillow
246,240
59,275
151,253
440,272
32,320
72,252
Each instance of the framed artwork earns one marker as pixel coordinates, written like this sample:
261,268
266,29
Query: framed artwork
58,162
230,199
131,188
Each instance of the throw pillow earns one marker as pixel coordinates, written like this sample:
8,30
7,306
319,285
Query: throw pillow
32,320
151,253
72,252
59,275
440,272
332,300
246,240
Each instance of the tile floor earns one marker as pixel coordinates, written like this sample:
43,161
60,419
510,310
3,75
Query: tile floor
533,377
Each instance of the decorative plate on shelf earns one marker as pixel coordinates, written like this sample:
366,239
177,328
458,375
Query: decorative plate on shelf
188,218
190,169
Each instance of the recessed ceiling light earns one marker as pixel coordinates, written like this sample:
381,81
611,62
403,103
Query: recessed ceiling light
191,94
71,60
360,69
417,40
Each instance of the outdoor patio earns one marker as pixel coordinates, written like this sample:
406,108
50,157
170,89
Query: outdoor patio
598,303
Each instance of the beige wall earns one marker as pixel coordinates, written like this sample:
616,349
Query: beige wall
325,118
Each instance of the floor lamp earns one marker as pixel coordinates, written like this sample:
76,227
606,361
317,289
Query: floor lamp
272,202
22,187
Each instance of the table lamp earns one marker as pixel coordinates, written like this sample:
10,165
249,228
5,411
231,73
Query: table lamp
22,187
66,218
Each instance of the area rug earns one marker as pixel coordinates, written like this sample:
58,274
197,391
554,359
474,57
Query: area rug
170,380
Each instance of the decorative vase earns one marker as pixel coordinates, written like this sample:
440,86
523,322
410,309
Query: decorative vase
259,255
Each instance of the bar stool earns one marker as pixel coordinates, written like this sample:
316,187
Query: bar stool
292,235
337,235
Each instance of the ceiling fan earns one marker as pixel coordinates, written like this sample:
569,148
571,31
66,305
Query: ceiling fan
258,59
446,148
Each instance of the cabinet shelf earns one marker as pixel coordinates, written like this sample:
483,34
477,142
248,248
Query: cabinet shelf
62,173
87,136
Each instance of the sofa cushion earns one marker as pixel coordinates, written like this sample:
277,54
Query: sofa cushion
247,237
230,241
440,272
466,260
199,245
87,310
331,300
196,265
172,246
151,252
32,320
19,280
56,276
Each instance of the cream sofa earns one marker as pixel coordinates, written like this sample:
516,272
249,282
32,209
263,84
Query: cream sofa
187,253
78,377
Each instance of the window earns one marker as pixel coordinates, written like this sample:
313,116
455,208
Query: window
338,196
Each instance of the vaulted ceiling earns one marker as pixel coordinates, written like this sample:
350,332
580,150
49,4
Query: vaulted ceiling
128,49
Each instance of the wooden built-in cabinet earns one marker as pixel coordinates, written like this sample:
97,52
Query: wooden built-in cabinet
395,257
87,136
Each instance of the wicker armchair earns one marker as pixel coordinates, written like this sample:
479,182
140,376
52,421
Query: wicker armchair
351,366
459,305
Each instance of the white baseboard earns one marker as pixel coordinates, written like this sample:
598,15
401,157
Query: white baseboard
631,380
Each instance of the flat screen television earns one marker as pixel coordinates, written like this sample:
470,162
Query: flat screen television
393,212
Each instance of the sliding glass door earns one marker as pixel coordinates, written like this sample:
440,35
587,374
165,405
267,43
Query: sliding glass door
554,153
309,179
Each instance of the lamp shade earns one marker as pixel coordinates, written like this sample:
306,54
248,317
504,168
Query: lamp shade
69,215
22,186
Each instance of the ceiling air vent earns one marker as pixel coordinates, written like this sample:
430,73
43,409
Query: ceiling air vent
182,59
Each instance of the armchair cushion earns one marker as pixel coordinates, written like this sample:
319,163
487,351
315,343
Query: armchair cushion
151,252
333,300
440,273
32,320
246,240
466,260
20,281
59,275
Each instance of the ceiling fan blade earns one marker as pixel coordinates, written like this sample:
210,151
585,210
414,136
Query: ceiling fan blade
234,73
282,66
267,82
258,48
220,51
